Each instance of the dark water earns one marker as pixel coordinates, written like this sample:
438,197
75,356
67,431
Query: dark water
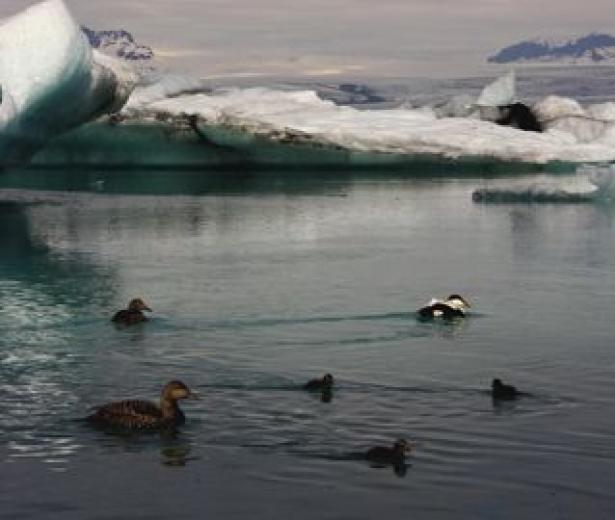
260,282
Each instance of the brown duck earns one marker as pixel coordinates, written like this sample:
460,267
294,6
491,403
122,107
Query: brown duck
133,314
324,384
386,455
144,415
503,392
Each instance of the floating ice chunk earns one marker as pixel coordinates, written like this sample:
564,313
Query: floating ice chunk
601,176
500,92
302,117
592,183
52,78
576,189
567,115
554,107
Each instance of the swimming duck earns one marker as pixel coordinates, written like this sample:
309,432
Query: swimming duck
454,306
395,455
144,415
503,392
323,384
133,314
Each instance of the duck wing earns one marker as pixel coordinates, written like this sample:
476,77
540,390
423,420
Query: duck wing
128,317
382,455
313,384
439,309
129,414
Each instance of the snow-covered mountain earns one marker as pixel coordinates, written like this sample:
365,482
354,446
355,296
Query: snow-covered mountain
120,44
595,48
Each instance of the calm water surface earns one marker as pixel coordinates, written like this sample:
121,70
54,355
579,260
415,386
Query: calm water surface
259,282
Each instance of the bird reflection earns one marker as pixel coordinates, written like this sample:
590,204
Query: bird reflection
176,454
326,396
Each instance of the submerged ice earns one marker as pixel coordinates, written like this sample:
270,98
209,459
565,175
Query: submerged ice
51,79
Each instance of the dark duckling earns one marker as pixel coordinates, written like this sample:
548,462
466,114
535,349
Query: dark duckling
144,415
323,384
395,455
133,314
454,306
503,392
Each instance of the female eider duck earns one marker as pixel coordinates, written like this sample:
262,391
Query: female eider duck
323,384
133,314
394,455
500,391
454,306
144,415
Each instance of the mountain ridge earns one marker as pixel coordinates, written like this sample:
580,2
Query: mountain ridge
593,48
118,43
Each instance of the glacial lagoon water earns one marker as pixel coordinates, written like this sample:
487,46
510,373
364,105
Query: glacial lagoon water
260,281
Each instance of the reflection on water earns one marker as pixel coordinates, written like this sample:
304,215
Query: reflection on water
259,284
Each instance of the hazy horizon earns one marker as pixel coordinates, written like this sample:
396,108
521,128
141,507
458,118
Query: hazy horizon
393,38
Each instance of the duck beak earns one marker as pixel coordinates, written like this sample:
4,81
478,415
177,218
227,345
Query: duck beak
148,309
194,396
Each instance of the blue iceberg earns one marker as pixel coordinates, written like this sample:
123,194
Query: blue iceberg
52,80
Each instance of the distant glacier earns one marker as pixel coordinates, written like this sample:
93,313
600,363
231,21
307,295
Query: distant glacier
595,48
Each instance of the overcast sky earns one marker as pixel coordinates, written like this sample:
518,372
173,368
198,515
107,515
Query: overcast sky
326,37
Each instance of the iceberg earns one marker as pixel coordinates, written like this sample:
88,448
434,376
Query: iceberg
51,80
56,91
239,116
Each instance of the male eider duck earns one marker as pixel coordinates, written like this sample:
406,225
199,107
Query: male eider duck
144,415
324,384
454,306
394,455
503,392
133,314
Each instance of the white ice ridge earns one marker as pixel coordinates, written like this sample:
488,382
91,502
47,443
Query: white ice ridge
51,79
303,116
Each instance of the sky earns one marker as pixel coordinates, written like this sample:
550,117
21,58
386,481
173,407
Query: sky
336,38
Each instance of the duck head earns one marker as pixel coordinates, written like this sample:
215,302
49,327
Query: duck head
496,384
327,380
137,304
457,302
176,390
402,447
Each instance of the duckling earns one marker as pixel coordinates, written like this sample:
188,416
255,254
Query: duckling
454,306
133,314
144,415
395,455
503,392
323,384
